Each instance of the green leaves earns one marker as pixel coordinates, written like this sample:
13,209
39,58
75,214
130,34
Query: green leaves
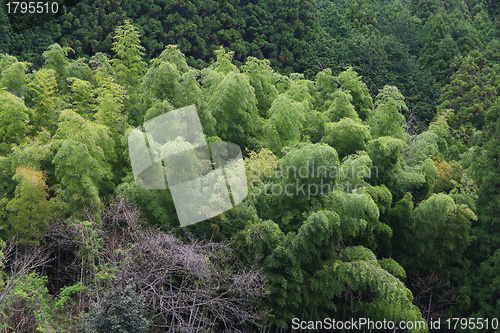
387,119
441,231
386,153
43,90
84,151
56,58
356,253
120,311
79,175
357,211
471,93
13,77
95,137
392,300
13,121
486,286
362,16
29,289
341,107
314,165
440,48
127,45
325,85
30,208
110,102
330,217
170,78
347,136
262,79
259,240
82,96
286,119
361,99
161,80
355,170
316,238
234,107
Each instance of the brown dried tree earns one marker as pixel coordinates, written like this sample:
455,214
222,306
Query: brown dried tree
187,286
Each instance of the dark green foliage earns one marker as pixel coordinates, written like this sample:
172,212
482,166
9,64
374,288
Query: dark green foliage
121,311
448,33
286,32
5,32
398,218
31,43
487,174
470,94
361,15
486,286
294,35
424,8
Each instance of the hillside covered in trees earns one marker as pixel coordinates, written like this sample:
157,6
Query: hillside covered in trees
370,135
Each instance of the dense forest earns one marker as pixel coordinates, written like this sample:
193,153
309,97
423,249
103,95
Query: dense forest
370,135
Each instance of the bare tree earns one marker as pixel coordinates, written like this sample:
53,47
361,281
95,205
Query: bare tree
187,285
431,296
16,314
412,130
413,125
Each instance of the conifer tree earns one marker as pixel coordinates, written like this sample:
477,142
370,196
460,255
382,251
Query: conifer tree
470,94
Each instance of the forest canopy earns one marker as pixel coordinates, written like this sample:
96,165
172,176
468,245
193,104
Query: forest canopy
370,136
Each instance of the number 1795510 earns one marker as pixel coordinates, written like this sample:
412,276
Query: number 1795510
40,7
472,323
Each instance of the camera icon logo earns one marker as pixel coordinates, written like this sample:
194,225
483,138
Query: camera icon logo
205,180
